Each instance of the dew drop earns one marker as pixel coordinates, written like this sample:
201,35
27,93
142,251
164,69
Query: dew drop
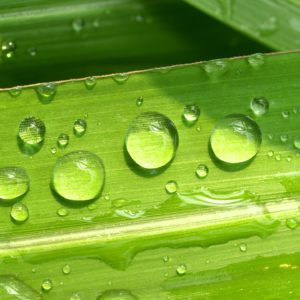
63,140
32,51
8,48
78,176
121,78
216,67
270,153
14,182
78,25
191,114
46,92
79,127
166,258
19,212
171,187
15,91
62,212
256,60
90,82
291,223
278,157
243,247
32,130
75,296
285,114
139,101
289,158
202,171
259,106
297,143
235,139
47,285
181,270
117,295
152,140
66,269
53,150
284,138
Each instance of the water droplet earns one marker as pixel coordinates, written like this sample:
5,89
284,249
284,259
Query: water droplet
289,158
75,296
78,176
53,150
243,247
130,214
270,136
171,187
78,25
90,82
166,258
181,269
269,26
15,91
297,143
96,23
121,78
66,269
152,140
32,51
259,106
79,127
8,48
202,171
117,295
256,60
46,92
270,153
139,101
235,139
19,212
216,67
63,140
191,114
278,157
291,223
14,182
284,138
62,212
285,114
47,285
32,130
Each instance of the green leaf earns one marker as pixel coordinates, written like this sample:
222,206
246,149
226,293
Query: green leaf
116,36
274,23
226,236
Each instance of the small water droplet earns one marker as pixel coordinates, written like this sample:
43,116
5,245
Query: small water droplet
235,139
151,140
121,78
191,114
285,114
259,106
171,187
270,136
181,269
8,48
202,171
269,26
106,197
166,258
96,23
243,247
62,212
15,91
33,270
47,285
32,51
278,157
90,82
256,60
297,143
53,150
284,138
289,158
270,153
66,269
32,130
139,101
78,176
75,296
19,212
78,25
14,182
216,67
291,223
63,140
198,128
46,92
79,127
117,295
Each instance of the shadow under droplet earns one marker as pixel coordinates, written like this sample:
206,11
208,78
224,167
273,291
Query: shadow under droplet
28,149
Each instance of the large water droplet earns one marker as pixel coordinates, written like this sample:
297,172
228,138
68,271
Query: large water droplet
8,48
19,212
259,106
78,176
46,92
79,127
235,139
152,140
32,130
14,182
63,140
191,114
47,285
181,269
117,295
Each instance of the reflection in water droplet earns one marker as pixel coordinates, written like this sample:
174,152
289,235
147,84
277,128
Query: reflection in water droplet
243,247
152,140
191,114
256,60
297,143
46,92
19,212
117,295
8,48
66,269
121,78
202,171
78,25
14,182
63,140
90,82
62,212
32,130
259,106
15,91
291,223
79,127
78,176
181,269
235,139
47,285
171,187
139,101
